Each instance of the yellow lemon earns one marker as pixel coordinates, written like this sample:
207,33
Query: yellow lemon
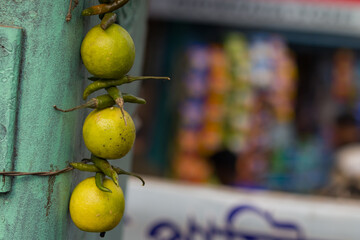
106,135
93,210
108,53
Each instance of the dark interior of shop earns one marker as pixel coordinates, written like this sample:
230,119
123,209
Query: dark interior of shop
322,100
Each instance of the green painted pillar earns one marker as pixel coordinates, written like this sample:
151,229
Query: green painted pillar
40,66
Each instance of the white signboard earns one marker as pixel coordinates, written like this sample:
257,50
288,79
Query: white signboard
170,211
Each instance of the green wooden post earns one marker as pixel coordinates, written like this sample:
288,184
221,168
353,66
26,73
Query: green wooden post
40,66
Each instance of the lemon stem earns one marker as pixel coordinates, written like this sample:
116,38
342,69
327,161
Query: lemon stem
116,95
105,167
108,19
120,103
100,83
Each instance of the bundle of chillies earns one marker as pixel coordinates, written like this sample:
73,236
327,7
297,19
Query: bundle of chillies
113,97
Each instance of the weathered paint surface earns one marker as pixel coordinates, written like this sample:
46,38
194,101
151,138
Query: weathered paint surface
10,56
52,73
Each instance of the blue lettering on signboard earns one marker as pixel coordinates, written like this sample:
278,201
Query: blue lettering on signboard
168,230
165,228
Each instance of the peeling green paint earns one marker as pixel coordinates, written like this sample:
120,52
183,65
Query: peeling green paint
10,56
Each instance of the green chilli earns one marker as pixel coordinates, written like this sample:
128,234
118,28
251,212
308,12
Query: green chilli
102,83
94,168
99,181
103,101
85,167
133,99
99,102
116,95
104,8
105,167
121,171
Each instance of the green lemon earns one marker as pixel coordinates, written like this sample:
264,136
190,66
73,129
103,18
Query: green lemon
108,53
93,210
106,135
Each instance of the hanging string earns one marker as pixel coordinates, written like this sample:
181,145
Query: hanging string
52,173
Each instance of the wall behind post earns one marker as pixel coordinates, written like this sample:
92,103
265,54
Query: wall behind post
36,207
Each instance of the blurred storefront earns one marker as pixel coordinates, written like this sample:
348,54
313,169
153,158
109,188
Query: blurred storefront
264,97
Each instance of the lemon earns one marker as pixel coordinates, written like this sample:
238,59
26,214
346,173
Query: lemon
93,210
108,53
106,135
